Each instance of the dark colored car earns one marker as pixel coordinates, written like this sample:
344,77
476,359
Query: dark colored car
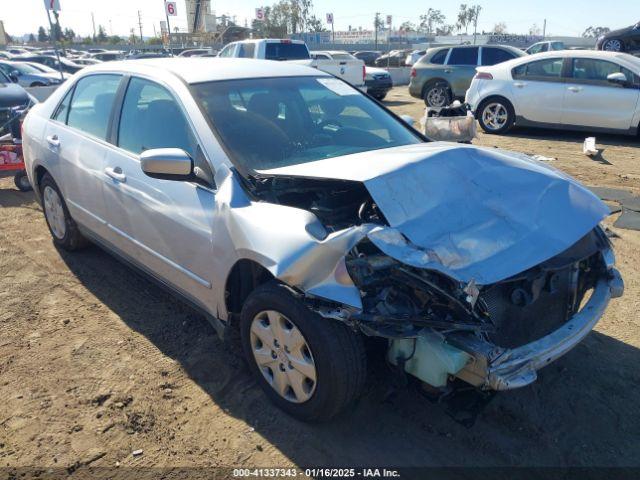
623,40
395,58
14,101
368,57
67,65
378,82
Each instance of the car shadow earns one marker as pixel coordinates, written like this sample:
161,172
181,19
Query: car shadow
395,103
11,197
581,411
572,136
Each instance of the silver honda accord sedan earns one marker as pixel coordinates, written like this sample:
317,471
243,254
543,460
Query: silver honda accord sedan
287,205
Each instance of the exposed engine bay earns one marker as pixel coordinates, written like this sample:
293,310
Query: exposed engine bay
439,327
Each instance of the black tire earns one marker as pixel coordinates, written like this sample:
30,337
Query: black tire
338,354
443,91
22,181
72,239
380,97
37,84
510,120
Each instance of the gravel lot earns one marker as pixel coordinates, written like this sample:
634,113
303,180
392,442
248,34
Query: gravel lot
97,362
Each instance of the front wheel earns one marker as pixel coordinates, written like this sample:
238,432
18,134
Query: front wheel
311,367
496,116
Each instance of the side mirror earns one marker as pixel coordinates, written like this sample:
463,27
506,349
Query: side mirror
408,119
167,164
14,76
618,78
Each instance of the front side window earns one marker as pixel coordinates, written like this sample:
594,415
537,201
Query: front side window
151,118
274,122
91,104
464,56
549,69
590,70
246,50
227,51
493,56
438,58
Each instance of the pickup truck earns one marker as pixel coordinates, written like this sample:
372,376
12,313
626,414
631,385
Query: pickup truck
338,63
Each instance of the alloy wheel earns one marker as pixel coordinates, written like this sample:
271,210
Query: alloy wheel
54,212
613,45
283,356
437,97
495,116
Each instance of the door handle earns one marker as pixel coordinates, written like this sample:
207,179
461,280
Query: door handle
519,84
53,140
575,89
448,71
116,174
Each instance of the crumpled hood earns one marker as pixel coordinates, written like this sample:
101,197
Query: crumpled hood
469,212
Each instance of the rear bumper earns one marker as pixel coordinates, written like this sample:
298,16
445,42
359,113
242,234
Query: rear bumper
495,368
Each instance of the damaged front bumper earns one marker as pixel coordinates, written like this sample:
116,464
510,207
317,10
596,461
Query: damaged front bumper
495,368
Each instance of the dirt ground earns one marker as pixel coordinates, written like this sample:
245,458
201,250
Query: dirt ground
96,362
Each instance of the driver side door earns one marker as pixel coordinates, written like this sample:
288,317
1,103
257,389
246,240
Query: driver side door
164,226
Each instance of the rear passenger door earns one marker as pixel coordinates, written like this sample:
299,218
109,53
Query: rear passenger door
164,226
76,138
460,69
592,101
538,90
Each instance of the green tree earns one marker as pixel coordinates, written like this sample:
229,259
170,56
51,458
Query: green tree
500,28
430,21
102,35
42,35
408,27
32,38
115,40
314,24
69,34
463,18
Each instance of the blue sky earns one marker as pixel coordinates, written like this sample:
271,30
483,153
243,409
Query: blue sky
564,17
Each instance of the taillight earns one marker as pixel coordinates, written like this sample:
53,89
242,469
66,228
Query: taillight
364,73
483,76
413,72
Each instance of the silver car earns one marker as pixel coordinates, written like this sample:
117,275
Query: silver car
286,205
26,75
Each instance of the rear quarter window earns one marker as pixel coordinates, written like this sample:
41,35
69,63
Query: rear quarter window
438,58
493,56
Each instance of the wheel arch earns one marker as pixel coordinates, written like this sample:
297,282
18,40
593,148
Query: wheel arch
38,172
434,81
244,277
495,96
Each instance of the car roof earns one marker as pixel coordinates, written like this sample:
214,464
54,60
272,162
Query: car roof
625,58
197,70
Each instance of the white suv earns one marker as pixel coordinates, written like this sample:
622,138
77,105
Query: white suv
570,89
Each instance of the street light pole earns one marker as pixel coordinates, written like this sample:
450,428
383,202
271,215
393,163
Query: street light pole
55,43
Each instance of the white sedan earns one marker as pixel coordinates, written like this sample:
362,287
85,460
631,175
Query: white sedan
571,89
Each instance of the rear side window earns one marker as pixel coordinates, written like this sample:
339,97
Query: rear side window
91,104
151,118
227,51
464,56
439,57
246,50
493,56
63,109
549,69
286,51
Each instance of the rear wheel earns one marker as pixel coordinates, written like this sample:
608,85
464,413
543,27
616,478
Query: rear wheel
63,228
613,45
496,115
437,95
310,367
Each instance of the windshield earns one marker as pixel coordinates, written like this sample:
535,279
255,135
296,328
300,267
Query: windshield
42,68
286,51
276,122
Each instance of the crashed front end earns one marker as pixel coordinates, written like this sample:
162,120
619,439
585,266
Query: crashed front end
474,263
494,336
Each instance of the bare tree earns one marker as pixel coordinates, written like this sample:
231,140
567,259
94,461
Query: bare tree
595,32
431,20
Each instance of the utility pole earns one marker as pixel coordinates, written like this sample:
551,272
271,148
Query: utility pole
140,26
376,22
93,22
55,42
544,28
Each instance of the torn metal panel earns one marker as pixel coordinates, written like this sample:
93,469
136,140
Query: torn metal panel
468,212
